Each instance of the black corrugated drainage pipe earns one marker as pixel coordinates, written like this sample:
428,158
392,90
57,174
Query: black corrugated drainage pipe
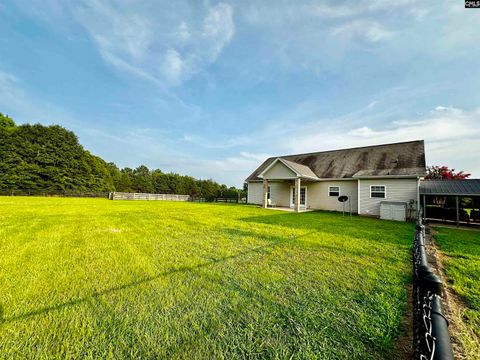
443,348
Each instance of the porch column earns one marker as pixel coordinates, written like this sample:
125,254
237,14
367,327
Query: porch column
457,207
265,193
297,194
424,207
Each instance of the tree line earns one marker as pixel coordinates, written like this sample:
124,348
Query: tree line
50,159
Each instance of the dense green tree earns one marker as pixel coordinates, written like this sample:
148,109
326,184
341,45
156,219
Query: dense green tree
142,180
125,181
48,158
6,122
38,158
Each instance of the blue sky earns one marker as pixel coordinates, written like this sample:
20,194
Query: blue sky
210,89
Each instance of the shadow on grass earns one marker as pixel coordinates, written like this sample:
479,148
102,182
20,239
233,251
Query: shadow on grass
95,294
334,223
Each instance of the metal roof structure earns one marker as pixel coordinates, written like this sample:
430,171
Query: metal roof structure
467,187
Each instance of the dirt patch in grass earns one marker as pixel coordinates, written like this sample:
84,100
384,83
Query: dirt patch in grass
453,304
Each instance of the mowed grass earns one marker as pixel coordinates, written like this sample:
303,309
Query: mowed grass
92,278
462,267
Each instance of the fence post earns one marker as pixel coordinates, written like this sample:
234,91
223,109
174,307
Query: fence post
457,210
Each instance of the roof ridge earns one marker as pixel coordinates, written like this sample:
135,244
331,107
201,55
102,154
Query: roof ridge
353,148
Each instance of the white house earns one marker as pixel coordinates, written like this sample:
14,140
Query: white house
372,177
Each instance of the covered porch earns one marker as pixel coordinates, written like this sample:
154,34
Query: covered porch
451,201
285,185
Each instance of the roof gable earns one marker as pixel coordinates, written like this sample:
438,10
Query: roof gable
398,159
280,168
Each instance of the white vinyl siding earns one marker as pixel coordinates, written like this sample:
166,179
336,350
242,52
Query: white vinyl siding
318,195
279,171
279,193
395,190
254,194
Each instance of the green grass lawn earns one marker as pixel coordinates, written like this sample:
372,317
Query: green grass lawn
92,278
462,267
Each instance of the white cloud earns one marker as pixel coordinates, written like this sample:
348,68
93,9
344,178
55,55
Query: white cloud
183,33
218,27
173,66
451,136
323,10
122,35
239,163
368,30
220,142
232,170
158,43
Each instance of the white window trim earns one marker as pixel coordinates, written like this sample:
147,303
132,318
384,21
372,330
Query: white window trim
385,192
292,205
339,190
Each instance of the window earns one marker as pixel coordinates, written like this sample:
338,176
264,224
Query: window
377,191
268,193
334,191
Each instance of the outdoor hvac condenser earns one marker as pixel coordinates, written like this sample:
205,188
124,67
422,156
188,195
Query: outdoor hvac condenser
393,210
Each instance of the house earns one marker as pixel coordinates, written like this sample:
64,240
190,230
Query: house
369,176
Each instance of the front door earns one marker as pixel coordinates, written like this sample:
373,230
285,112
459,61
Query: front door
303,196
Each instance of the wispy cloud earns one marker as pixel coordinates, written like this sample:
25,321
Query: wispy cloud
451,136
219,142
18,102
368,30
235,81
147,41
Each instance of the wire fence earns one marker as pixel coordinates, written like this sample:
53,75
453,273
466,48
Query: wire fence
431,339
119,195
54,193
235,200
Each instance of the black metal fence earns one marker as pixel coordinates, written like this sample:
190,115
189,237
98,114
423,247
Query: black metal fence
431,339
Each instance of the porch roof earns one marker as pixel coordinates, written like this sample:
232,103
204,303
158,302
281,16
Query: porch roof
300,170
465,187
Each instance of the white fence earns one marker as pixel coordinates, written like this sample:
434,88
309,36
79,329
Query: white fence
141,196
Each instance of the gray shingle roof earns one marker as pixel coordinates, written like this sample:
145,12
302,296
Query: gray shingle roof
400,159
450,187
303,170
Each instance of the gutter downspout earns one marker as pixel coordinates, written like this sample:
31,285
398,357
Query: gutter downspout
359,197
